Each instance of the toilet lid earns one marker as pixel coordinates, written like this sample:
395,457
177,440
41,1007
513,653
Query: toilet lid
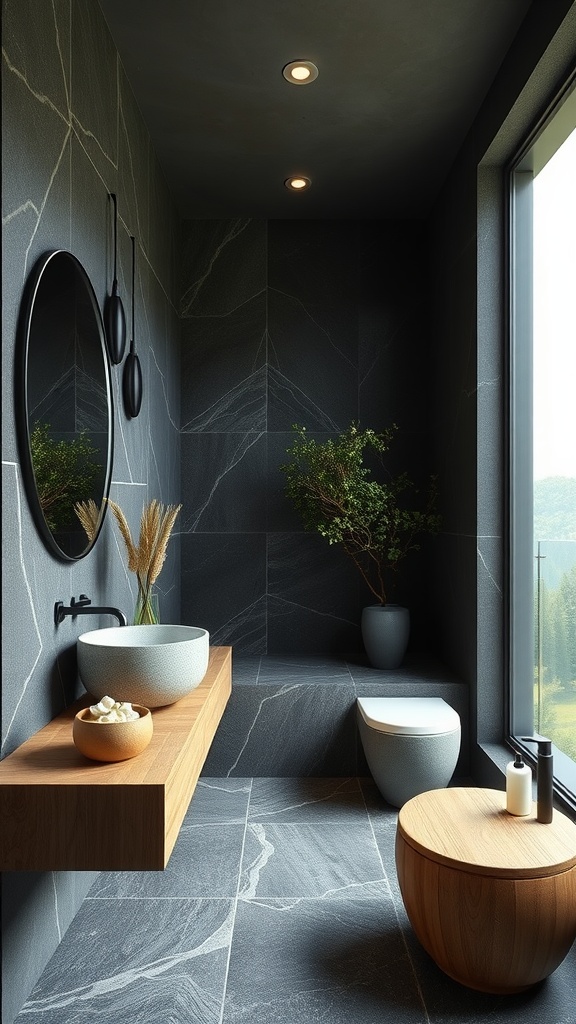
409,716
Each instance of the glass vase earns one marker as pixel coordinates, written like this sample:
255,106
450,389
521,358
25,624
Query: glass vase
147,612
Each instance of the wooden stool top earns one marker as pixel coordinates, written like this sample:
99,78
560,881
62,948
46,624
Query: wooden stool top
469,829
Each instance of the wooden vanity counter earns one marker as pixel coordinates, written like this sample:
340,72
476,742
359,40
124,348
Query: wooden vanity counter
60,811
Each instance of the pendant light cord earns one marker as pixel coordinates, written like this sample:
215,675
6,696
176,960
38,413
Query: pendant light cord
133,240
113,198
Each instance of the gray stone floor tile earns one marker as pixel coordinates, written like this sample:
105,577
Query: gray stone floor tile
306,800
204,863
332,960
376,805
318,935
219,800
136,961
307,860
553,1001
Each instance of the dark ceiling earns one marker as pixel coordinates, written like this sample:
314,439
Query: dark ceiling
399,84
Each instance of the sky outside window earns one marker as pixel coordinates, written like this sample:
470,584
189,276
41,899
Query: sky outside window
555,315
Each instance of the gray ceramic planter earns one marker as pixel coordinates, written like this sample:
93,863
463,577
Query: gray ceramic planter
385,632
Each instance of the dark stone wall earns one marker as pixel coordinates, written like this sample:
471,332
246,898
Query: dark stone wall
72,133
317,323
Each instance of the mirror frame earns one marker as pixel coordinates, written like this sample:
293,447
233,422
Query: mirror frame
21,398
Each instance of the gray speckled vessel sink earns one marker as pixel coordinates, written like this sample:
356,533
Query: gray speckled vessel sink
149,665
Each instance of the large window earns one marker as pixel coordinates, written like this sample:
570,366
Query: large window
543,438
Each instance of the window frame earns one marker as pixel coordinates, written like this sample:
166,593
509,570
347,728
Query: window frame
539,145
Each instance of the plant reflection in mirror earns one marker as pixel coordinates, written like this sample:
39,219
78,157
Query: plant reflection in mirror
147,557
64,471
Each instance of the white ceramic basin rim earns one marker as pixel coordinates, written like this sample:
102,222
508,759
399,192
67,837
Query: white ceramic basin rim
149,665
142,636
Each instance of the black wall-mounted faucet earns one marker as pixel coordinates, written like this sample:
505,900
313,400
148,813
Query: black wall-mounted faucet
84,606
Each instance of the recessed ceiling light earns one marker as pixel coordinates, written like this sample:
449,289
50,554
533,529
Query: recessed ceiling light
297,183
300,72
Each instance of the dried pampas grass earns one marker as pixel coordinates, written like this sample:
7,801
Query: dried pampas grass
89,515
148,556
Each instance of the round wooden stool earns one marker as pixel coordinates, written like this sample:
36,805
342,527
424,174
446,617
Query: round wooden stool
491,897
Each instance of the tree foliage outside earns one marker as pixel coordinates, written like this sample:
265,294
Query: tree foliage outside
555,508
555,663
65,472
336,494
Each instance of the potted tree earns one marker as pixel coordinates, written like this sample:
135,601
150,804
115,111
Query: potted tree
333,487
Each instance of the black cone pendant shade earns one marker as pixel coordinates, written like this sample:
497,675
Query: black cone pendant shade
114,317
132,379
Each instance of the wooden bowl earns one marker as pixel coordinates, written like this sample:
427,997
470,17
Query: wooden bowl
112,741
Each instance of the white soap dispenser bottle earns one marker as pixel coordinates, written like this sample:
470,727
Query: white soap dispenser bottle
518,787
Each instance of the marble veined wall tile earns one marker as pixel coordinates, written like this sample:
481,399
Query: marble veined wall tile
313,325
224,369
491,618
282,516
313,375
242,408
134,960
156,339
296,729
38,191
94,59
393,360
47,34
164,238
309,402
231,498
277,319
312,596
316,262
223,266
133,164
90,220
224,587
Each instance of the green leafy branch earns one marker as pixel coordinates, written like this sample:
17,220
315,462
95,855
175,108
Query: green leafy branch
336,495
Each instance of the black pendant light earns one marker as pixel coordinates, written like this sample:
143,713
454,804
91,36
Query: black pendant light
114,317
132,379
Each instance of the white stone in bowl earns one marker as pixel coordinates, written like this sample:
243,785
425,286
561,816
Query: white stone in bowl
149,665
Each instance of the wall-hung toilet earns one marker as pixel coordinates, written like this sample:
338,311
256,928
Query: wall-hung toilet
411,744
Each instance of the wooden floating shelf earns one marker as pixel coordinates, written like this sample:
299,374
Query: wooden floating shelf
60,811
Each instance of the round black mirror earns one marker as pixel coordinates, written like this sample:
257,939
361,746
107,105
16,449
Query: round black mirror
64,403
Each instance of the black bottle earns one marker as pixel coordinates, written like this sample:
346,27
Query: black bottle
544,778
